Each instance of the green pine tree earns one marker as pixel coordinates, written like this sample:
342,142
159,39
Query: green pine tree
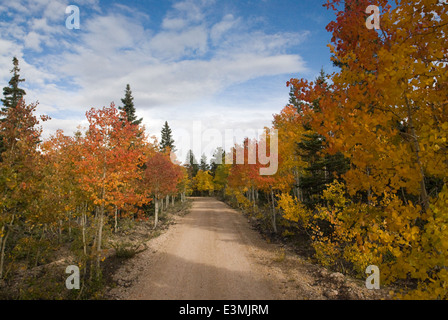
167,138
322,168
204,165
191,164
12,94
217,159
128,107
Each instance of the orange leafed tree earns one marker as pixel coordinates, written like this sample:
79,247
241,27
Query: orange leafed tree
386,111
162,178
19,170
110,162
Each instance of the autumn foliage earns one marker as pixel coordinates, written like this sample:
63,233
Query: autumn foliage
162,178
75,189
363,158
386,111
362,174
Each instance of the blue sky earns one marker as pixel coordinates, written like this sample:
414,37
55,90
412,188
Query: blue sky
224,63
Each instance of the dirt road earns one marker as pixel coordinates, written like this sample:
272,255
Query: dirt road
212,253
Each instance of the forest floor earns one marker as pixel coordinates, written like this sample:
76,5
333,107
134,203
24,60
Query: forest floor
47,281
214,253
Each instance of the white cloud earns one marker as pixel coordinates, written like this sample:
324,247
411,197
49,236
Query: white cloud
190,10
105,34
7,49
169,45
41,24
70,126
260,42
53,10
175,72
192,129
32,41
174,23
222,27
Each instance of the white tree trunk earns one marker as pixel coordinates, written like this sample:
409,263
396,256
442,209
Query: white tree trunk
3,245
156,212
253,197
116,220
100,238
274,223
84,223
423,192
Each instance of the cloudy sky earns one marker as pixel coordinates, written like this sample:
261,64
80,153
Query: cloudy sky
214,64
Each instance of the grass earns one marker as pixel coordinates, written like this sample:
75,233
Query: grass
280,255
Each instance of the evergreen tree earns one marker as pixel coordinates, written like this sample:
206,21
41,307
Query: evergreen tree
293,99
128,107
217,159
321,79
12,94
322,168
204,165
191,164
167,138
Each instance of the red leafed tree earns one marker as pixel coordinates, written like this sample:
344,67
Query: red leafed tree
243,174
161,177
110,162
